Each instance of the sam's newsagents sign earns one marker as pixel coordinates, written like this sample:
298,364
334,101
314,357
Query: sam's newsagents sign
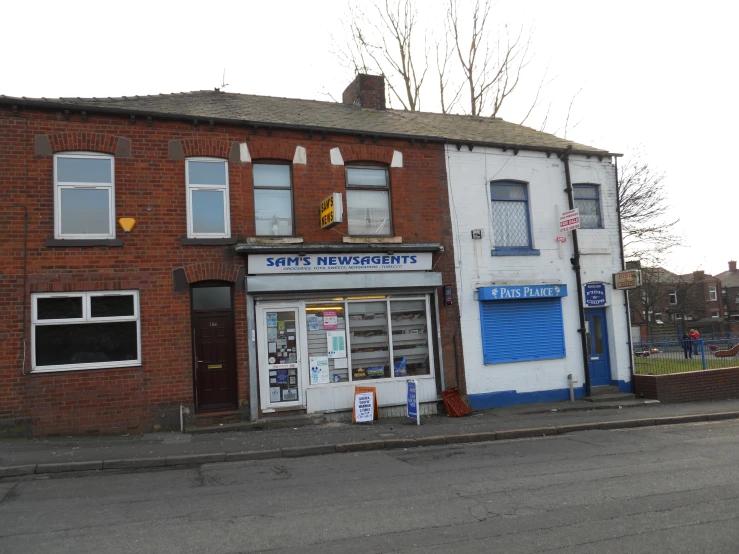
260,264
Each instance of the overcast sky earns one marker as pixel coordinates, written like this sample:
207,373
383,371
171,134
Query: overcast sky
660,75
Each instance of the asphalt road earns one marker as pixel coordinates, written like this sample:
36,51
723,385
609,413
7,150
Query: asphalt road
659,489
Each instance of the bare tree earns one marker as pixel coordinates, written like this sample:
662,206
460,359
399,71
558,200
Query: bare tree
648,232
388,47
491,68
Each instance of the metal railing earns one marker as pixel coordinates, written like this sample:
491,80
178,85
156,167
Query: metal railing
665,356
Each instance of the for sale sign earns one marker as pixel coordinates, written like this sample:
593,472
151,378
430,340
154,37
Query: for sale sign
569,221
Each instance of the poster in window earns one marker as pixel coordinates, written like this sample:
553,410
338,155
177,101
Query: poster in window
271,320
319,370
271,333
313,322
274,394
336,343
330,320
290,394
281,326
282,376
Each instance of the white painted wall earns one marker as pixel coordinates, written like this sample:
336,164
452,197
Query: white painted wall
469,174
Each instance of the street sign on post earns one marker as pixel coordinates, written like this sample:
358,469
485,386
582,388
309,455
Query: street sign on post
569,221
412,400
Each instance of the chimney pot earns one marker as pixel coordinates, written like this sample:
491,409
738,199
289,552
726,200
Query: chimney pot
366,91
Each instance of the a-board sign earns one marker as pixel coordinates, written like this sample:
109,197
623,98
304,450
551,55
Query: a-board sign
412,401
569,221
332,211
629,279
362,404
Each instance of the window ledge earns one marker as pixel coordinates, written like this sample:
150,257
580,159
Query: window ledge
515,252
274,240
372,240
207,242
133,365
54,243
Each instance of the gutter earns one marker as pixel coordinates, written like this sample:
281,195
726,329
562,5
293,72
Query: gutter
91,108
575,260
623,266
319,248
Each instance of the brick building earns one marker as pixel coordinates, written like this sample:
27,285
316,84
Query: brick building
226,297
730,295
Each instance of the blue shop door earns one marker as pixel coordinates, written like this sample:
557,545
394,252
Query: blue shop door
599,364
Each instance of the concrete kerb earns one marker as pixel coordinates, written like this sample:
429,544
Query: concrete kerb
363,446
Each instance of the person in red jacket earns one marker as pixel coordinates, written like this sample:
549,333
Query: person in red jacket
694,337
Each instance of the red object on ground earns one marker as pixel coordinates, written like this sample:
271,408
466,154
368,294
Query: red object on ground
454,404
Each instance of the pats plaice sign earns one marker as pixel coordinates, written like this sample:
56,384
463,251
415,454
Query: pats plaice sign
260,264
521,292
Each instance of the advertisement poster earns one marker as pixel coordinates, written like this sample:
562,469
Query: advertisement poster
271,320
336,342
319,370
271,333
364,407
313,322
274,394
282,376
330,320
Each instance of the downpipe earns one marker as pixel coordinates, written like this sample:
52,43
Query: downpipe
575,260
627,307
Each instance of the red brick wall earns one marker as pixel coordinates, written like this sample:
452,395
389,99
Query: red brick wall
150,187
711,384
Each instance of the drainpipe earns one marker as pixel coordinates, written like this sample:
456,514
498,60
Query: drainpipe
578,277
623,266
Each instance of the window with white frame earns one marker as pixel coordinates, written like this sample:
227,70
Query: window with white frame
715,314
368,201
208,213
673,298
678,316
85,330
587,201
84,196
712,294
510,215
273,199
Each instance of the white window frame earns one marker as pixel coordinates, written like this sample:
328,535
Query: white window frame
673,298
58,187
717,312
226,203
712,293
86,318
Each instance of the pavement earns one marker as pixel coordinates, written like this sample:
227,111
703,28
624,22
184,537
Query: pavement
69,454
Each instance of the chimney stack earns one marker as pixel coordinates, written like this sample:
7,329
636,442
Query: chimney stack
366,91
732,266
699,275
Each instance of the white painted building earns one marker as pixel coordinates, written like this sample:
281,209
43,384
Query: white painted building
516,285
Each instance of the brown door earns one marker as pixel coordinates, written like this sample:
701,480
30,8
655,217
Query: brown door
214,353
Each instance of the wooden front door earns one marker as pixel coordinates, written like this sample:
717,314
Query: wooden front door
214,356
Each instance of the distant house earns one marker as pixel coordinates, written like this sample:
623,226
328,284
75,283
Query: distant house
730,295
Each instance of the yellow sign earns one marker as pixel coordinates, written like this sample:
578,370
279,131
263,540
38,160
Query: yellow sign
332,211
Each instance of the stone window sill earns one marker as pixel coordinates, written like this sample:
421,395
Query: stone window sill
207,242
515,252
68,243
372,240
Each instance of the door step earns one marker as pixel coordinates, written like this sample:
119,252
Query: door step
210,419
604,389
613,397
275,422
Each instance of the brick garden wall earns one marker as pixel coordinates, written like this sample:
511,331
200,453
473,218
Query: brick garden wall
150,186
711,384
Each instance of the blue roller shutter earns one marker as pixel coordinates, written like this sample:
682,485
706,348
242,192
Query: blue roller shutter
519,330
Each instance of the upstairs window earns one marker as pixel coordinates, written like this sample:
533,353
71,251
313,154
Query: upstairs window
84,196
368,201
587,201
712,294
208,214
273,199
673,298
510,214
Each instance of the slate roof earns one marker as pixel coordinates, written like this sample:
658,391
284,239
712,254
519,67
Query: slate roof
320,115
729,278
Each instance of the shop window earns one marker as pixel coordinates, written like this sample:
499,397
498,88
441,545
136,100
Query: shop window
208,213
368,201
521,330
273,199
85,330
378,338
510,216
587,201
84,196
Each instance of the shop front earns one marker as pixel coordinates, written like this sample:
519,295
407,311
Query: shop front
322,323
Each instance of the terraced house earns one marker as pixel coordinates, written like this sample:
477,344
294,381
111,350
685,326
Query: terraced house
211,256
